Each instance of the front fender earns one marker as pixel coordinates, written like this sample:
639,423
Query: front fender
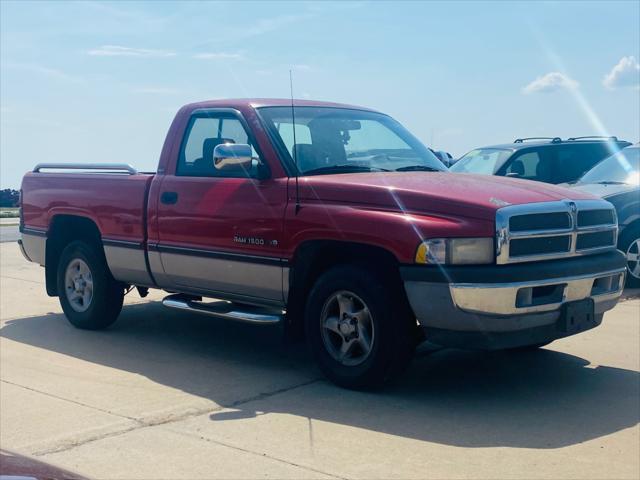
397,232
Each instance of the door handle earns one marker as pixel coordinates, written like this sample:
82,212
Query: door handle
169,198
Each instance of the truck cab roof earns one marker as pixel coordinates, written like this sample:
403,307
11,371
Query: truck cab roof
243,103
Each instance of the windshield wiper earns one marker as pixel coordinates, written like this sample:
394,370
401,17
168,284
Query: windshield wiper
610,182
343,169
415,168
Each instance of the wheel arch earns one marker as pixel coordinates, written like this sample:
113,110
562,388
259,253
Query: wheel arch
64,229
628,235
314,257
635,223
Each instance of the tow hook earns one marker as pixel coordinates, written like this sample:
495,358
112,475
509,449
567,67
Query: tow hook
142,291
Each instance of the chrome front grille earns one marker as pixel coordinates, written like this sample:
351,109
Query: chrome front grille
540,221
541,231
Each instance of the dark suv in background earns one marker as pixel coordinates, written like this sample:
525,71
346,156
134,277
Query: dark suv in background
617,180
550,160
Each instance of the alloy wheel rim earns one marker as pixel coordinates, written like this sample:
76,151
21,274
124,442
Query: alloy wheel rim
347,328
78,282
633,258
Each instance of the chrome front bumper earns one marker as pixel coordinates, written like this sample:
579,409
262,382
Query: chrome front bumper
523,305
536,296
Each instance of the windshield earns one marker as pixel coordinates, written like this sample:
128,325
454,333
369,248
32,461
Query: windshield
338,140
621,167
485,161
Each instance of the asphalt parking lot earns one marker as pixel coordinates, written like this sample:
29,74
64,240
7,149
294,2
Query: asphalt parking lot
166,394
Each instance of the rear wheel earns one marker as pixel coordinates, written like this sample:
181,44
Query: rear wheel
630,244
90,297
360,329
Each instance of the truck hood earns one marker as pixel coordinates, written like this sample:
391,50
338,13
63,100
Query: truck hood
455,194
604,190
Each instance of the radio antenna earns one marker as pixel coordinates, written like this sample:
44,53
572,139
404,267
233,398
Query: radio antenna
294,149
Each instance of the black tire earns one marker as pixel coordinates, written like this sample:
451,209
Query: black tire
393,343
630,235
107,294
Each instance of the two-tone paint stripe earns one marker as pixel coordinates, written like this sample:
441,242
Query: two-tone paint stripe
195,252
33,231
108,242
206,253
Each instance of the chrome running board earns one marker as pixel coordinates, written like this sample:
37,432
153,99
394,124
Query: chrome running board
225,310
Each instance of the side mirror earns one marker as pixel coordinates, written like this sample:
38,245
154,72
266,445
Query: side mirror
233,157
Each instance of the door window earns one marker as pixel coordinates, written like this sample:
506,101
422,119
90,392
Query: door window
203,135
531,166
574,160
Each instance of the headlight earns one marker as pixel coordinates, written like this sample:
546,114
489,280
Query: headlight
455,251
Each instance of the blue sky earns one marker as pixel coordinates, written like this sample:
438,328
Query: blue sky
100,82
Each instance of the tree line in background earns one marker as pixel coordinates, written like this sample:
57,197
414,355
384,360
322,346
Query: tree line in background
9,197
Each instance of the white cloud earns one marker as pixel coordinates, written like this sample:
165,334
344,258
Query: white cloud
550,82
625,74
218,56
120,51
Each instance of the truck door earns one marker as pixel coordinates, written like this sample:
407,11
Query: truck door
220,233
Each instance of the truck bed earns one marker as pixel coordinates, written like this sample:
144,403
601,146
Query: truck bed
115,202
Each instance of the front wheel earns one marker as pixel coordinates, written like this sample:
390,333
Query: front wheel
360,329
630,244
90,297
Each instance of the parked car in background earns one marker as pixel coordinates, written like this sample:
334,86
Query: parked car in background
444,157
550,160
617,179
453,161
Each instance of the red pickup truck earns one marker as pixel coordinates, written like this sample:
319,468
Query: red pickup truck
333,221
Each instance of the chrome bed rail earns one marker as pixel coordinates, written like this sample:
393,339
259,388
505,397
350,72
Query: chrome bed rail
107,168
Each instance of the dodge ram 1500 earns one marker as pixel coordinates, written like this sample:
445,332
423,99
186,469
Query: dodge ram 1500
332,221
